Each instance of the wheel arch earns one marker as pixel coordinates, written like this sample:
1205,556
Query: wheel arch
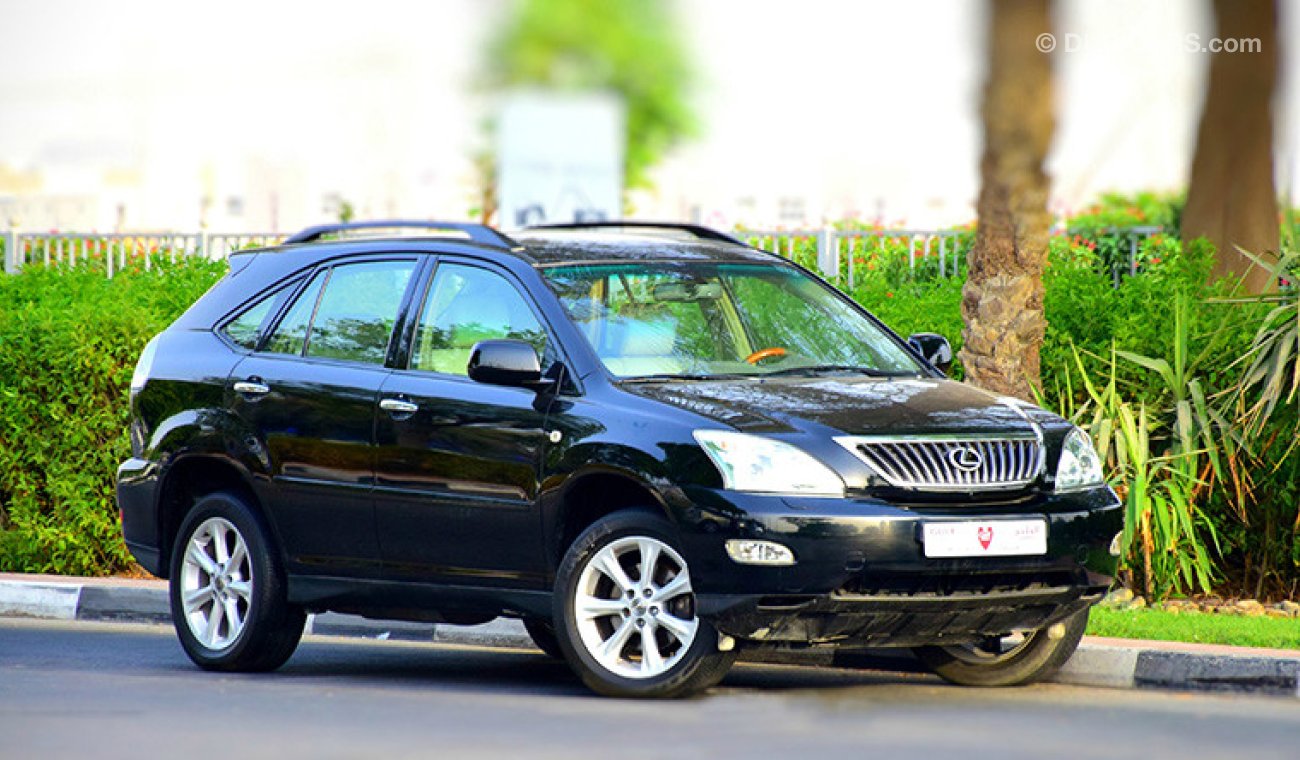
186,480
593,493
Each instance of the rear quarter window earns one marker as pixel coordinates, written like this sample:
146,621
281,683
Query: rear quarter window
248,326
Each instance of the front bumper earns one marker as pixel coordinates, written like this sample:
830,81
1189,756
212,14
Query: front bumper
861,574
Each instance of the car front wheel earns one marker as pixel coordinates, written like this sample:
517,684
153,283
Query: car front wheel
1012,660
543,635
625,612
228,591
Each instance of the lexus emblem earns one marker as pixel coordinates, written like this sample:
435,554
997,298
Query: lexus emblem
965,458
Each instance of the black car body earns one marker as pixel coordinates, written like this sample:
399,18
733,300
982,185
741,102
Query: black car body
398,490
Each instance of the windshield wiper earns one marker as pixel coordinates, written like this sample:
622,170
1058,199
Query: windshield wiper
671,376
817,369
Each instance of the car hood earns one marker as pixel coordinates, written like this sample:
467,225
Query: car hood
844,405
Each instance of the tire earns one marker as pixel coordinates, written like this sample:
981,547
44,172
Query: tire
607,645
1035,658
223,562
543,635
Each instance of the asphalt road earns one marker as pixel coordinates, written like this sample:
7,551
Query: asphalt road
91,690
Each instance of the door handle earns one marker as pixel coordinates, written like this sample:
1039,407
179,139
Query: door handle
252,388
398,406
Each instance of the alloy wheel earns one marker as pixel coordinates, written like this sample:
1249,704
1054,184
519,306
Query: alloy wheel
216,583
634,607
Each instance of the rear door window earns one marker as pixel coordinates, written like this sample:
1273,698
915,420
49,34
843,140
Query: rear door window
347,312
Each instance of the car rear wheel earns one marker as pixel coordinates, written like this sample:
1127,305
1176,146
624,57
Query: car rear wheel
625,612
227,590
1012,660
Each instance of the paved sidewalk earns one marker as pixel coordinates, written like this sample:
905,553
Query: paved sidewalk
1104,662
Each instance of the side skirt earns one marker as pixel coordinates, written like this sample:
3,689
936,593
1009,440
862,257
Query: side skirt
419,602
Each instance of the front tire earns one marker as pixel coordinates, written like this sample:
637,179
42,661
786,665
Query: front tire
543,635
227,590
1040,654
625,612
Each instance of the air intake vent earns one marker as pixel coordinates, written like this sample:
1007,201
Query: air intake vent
950,464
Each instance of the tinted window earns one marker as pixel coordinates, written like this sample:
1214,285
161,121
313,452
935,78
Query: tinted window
246,329
291,335
355,316
465,305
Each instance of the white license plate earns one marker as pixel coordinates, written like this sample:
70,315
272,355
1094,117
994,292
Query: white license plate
984,538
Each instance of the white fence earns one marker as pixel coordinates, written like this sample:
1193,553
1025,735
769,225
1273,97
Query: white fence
117,250
835,253
838,250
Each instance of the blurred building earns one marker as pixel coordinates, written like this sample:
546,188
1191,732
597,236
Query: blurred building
251,116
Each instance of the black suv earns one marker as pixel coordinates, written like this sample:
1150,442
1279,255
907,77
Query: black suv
653,444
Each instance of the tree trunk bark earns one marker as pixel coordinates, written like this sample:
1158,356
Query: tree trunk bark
1231,198
1002,300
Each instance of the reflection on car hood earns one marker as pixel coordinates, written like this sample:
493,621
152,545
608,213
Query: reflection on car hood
846,404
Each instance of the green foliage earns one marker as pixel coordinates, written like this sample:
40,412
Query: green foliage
1195,627
913,307
69,338
1115,210
628,46
1166,540
1085,310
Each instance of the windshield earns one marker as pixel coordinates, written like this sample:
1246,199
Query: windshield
711,319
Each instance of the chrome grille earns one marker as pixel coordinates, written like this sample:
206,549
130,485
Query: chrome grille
950,464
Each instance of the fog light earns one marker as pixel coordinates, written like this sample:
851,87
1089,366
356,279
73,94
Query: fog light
749,552
1115,544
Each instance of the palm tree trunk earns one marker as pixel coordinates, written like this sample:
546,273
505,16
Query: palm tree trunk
1231,199
1002,301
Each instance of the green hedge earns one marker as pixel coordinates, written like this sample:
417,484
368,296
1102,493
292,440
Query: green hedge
69,339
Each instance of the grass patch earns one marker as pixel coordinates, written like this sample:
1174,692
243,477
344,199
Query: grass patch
1196,627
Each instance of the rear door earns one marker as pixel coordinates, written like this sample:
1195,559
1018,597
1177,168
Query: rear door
457,460
309,397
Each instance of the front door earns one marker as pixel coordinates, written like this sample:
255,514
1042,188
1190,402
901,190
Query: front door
457,461
308,396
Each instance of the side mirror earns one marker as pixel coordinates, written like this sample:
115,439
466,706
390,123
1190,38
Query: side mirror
934,348
505,362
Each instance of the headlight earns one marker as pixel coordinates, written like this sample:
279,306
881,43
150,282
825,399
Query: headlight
754,463
1080,466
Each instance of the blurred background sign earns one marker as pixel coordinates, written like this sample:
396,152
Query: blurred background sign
560,158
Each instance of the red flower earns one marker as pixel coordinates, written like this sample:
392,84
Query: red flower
889,295
1155,259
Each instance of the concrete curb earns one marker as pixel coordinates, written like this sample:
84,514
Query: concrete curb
1109,663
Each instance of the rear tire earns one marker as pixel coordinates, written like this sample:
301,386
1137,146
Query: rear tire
629,632
227,589
1034,659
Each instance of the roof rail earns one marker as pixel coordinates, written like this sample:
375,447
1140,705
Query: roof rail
479,233
699,231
